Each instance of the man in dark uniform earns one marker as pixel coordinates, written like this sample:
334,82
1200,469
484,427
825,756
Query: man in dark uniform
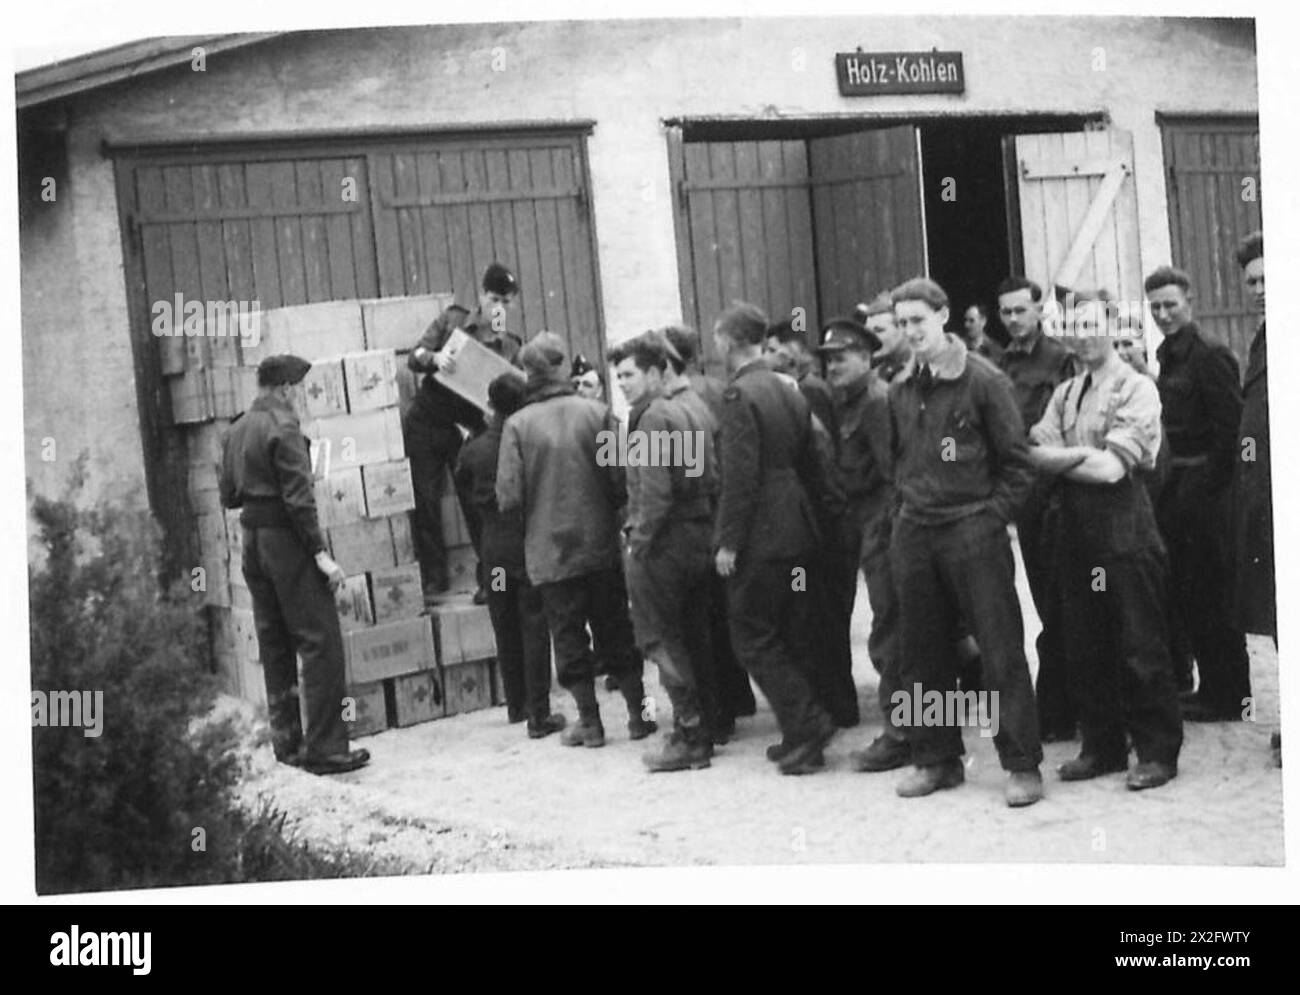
1201,399
515,606
862,471
670,491
961,468
1255,594
553,465
432,423
1037,364
767,534
787,352
728,695
1100,430
266,471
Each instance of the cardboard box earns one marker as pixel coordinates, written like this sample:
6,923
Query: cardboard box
329,328
352,600
368,712
461,564
171,354
245,633
364,545
399,322
340,498
397,592
191,397
324,392
388,487
357,440
240,595
234,536
464,632
372,379
403,541
417,698
476,367
468,686
389,650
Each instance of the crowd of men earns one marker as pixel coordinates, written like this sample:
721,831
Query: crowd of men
885,446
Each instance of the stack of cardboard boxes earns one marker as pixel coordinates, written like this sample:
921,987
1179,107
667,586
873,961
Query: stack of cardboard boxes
403,666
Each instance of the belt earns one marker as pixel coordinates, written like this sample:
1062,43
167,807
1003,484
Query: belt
264,513
1200,460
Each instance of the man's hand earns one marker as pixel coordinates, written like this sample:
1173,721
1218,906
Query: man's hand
445,363
332,571
725,562
1056,459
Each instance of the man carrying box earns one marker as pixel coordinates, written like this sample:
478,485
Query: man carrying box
266,471
431,426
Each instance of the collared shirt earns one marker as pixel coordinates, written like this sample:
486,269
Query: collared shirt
1113,407
1036,368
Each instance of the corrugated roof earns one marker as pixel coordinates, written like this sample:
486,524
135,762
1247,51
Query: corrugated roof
67,77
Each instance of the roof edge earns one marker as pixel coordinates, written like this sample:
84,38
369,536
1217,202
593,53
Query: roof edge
69,77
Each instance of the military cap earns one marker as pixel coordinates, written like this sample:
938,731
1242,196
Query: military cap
580,366
274,371
499,280
839,334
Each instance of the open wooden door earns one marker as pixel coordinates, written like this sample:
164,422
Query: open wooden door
1077,206
867,214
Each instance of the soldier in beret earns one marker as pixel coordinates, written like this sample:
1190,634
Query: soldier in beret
432,424
266,471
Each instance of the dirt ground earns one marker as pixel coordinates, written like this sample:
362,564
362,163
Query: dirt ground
474,793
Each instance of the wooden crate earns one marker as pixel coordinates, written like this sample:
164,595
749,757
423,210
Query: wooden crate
418,698
468,686
369,709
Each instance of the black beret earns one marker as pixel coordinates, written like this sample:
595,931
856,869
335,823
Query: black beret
846,333
499,280
276,370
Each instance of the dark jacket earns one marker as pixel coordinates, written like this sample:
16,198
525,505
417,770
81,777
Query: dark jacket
821,400
863,469
663,491
959,446
771,479
436,406
710,390
476,476
1201,401
1036,371
266,470
555,465
1255,593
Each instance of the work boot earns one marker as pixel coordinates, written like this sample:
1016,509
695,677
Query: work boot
587,731
1024,787
639,728
1150,774
681,751
336,763
806,757
885,753
721,732
929,778
778,750
1085,767
542,728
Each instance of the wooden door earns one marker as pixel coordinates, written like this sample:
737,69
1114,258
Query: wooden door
867,214
1214,201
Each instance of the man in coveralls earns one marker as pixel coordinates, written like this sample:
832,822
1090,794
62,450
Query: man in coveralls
1101,427
266,472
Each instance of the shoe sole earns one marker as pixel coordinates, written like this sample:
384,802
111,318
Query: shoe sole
875,767
590,743
1132,786
692,765
1091,775
325,771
